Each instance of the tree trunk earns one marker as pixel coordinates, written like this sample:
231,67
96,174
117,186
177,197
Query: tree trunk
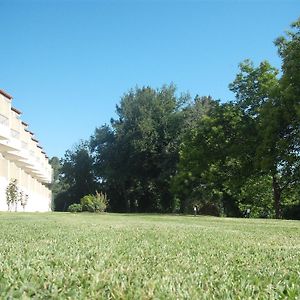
277,198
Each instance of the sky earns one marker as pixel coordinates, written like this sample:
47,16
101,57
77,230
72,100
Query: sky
67,63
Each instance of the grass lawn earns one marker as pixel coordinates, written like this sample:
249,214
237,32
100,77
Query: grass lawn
118,256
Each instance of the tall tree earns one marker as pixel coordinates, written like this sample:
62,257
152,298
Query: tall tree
139,153
288,107
76,175
56,185
111,165
215,157
274,104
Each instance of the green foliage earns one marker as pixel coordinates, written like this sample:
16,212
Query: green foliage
292,211
14,196
91,256
274,105
76,177
214,160
235,150
136,157
253,87
56,186
257,195
94,203
75,208
23,199
165,153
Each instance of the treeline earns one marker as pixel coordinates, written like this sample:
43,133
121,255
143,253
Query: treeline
168,153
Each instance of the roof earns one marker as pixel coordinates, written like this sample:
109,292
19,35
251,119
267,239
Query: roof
5,94
16,110
29,131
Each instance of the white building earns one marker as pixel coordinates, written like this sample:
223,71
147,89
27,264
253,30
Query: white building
23,159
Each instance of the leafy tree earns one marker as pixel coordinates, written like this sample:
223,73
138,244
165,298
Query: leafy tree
57,185
256,195
289,51
15,195
254,87
12,194
110,164
137,155
215,159
288,110
165,153
76,176
23,199
273,104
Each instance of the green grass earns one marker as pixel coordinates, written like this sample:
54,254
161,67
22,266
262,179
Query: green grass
111,256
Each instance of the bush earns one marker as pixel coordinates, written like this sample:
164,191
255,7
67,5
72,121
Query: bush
210,209
74,208
94,203
292,212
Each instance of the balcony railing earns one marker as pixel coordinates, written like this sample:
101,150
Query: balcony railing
24,145
4,128
14,133
4,121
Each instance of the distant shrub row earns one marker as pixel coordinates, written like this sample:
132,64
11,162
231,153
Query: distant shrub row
91,203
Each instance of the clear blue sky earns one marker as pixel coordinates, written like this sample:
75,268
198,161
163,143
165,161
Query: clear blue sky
67,63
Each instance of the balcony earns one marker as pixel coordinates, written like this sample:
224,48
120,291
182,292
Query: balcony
31,166
16,152
19,147
4,128
14,143
19,157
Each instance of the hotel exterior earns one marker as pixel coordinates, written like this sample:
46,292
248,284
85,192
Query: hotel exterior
22,159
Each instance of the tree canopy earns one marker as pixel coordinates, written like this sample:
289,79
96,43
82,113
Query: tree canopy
166,152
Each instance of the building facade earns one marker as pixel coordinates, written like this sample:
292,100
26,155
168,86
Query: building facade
23,161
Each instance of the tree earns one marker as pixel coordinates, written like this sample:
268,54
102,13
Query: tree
288,109
12,194
274,104
111,165
77,177
256,195
136,156
215,159
23,199
56,186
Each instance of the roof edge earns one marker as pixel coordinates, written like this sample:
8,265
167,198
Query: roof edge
5,94
16,111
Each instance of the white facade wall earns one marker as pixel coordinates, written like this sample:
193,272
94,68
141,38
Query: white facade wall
22,158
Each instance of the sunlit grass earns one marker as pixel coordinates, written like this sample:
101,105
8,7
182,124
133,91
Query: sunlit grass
86,256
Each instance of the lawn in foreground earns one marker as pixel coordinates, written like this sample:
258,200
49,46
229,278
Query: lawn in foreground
114,256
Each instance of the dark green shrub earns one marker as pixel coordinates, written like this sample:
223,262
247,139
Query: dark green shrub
94,203
74,208
292,212
209,209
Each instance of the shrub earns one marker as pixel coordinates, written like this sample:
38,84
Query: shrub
209,209
74,208
292,212
94,203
